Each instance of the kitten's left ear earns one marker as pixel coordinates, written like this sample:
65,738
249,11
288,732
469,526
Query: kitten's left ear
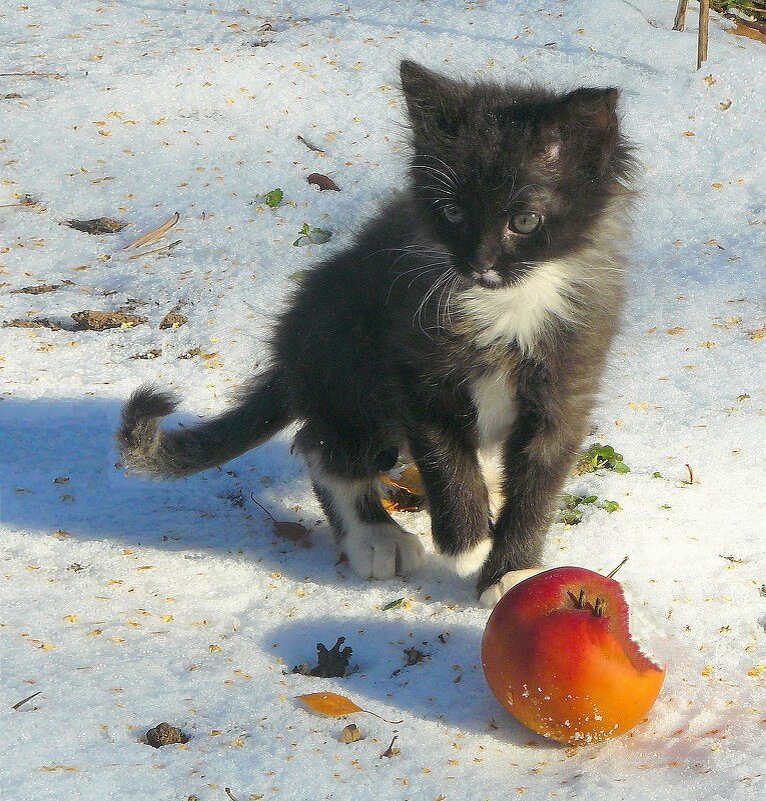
594,107
428,95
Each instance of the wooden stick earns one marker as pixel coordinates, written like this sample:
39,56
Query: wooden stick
24,700
680,22
30,75
703,32
169,246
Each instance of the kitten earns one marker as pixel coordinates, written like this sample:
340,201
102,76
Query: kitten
468,323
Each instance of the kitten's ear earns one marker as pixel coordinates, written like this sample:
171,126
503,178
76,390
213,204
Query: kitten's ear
428,95
583,130
594,107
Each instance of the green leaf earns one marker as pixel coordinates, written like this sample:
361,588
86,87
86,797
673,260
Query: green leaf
657,474
393,604
273,198
571,518
589,499
312,236
665,506
612,506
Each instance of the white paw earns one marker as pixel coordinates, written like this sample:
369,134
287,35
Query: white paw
382,551
470,560
494,593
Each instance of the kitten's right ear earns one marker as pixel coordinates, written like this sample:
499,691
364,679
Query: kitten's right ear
428,95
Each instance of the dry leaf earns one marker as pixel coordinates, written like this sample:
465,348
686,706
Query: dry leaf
350,734
155,233
410,496
295,532
324,182
329,704
101,225
90,320
751,30
173,320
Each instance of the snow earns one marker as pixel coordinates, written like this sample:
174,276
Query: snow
126,603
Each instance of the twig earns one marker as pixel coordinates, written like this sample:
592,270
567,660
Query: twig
24,700
691,475
680,21
156,250
230,794
389,752
31,75
703,32
309,145
610,575
262,508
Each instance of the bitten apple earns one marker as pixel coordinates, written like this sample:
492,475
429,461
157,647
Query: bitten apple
558,656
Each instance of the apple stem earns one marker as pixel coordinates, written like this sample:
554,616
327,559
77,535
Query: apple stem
611,575
598,608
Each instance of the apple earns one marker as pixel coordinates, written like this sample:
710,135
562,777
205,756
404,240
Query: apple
558,655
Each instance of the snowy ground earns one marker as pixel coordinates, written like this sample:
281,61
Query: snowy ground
126,603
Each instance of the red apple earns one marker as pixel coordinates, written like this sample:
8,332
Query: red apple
558,656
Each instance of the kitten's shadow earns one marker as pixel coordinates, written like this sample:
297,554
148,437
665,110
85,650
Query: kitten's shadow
445,685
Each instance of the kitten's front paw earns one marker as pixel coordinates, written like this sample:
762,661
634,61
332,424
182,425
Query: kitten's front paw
496,591
470,560
382,551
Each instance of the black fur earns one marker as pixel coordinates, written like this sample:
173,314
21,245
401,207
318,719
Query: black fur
377,350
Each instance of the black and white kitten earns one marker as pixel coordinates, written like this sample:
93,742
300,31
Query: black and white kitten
467,324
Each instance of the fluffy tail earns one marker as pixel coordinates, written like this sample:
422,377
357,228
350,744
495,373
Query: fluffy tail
146,448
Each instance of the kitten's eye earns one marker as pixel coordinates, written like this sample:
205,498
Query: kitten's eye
453,213
526,223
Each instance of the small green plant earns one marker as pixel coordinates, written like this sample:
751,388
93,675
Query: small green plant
601,457
572,510
273,198
312,236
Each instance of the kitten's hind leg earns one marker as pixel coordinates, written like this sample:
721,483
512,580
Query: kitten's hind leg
376,546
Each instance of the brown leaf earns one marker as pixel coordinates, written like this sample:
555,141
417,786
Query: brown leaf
90,320
34,322
97,226
329,704
751,30
37,289
172,320
350,734
296,533
324,182
410,495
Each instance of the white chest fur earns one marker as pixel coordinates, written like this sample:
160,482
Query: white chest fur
522,312
494,396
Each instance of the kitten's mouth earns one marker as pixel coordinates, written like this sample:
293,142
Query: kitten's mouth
488,279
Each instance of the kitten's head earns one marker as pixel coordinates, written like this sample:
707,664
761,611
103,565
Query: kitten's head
506,177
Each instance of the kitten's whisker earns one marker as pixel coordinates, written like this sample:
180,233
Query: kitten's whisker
444,164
